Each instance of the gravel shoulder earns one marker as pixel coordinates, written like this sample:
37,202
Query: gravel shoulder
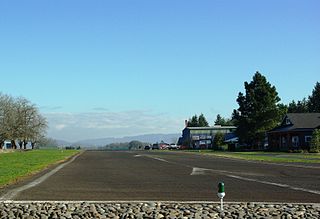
75,210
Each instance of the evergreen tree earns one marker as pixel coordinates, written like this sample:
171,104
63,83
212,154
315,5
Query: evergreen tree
196,121
299,107
193,122
223,121
202,121
314,99
258,110
283,110
219,120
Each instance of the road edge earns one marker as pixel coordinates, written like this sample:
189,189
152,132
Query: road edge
43,175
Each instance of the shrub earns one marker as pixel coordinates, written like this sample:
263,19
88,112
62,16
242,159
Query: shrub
315,141
218,140
296,151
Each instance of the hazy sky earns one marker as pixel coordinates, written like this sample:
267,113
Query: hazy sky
117,68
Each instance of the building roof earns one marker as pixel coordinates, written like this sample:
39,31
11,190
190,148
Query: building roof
304,120
212,128
230,138
299,121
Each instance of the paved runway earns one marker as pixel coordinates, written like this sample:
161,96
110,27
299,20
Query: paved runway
174,176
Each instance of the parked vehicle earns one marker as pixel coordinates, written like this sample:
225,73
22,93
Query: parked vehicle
155,147
7,145
183,147
164,146
147,147
173,147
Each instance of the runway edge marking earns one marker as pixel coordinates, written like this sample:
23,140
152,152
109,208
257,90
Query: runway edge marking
276,184
202,171
14,192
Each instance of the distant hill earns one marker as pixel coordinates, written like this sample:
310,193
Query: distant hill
62,142
150,138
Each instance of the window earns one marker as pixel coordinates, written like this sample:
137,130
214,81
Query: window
295,141
195,137
288,122
307,138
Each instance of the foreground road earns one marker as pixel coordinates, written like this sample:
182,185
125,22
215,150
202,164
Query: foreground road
170,176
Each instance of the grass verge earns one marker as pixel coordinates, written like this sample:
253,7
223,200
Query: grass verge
267,156
19,164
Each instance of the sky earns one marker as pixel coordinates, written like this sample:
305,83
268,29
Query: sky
119,68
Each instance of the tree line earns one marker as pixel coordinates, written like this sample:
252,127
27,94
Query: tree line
307,105
201,121
132,145
260,110
20,122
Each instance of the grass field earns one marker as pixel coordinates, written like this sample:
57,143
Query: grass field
268,156
18,164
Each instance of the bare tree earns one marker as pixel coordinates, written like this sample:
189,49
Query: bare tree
20,121
37,128
32,125
6,117
23,110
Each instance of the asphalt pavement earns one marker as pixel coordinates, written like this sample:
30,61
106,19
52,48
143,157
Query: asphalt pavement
170,176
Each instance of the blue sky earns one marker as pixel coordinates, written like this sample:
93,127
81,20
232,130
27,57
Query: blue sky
117,68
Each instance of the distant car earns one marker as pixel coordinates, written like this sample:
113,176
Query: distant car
173,147
183,147
164,146
147,147
155,147
7,145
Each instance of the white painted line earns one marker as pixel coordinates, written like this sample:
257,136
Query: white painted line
155,158
198,171
160,159
202,171
276,184
14,192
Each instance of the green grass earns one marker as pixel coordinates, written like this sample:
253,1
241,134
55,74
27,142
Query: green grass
19,164
277,157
